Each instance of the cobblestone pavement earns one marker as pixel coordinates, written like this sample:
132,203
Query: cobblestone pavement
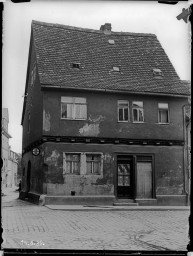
26,225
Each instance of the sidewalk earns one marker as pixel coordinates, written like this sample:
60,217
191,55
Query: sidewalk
10,194
29,226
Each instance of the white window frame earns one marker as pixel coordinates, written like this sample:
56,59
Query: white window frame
92,164
72,101
119,102
72,153
83,164
163,108
138,109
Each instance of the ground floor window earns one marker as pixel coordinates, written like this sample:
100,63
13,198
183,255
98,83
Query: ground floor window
73,163
93,164
83,163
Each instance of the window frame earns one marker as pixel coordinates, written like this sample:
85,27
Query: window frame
159,108
119,107
71,161
92,164
73,103
137,108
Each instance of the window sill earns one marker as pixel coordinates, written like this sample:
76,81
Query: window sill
123,122
135,122
163,123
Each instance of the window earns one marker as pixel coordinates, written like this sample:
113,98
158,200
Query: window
93,164
76,65
157,73
73,163
73,108
116,69
137,110
123,110
111,41
163,113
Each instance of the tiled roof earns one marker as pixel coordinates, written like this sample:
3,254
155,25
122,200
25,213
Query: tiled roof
58,46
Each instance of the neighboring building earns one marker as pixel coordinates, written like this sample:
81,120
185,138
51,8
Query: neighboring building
10,164
102,119
5,136
12,169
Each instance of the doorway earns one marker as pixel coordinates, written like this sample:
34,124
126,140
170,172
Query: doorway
125,177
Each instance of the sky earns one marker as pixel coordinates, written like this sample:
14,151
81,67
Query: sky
127,16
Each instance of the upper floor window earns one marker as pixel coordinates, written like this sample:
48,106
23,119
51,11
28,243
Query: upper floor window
73,163
123,110
93,164
163,113
73,108
137,111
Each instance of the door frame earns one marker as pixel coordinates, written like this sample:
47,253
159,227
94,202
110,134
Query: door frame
130,158
134,157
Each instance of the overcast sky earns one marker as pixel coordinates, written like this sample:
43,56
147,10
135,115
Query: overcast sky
142,17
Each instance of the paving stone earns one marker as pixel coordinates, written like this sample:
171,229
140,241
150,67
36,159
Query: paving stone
26,225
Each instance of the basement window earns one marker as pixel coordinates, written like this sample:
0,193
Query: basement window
157,73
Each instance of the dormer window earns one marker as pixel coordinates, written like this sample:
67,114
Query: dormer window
111,41
76,65
116,68
157,73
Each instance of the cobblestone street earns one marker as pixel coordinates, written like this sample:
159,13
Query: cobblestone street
26,225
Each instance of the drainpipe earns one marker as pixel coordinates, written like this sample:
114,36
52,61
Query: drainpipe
185,153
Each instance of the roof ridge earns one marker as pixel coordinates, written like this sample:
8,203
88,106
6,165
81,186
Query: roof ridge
89,30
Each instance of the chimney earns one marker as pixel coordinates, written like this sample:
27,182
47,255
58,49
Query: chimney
106,28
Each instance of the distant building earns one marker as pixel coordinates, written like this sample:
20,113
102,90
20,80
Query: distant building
9,169
103,119
5,145
12,169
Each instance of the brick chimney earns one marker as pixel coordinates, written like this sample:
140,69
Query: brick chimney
106,28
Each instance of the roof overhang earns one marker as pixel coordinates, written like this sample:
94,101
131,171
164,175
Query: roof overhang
57,87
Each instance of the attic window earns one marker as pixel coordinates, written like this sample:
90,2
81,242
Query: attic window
76,65
116,68
157,73
111,41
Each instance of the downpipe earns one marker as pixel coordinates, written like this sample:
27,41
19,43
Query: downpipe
185,160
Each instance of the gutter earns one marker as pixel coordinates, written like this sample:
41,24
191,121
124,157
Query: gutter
185,162
43,86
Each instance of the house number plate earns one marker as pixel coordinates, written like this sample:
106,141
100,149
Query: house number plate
36,151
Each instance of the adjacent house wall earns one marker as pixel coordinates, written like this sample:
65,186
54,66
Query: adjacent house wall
33,104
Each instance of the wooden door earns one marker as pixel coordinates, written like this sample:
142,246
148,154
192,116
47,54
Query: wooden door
144,180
